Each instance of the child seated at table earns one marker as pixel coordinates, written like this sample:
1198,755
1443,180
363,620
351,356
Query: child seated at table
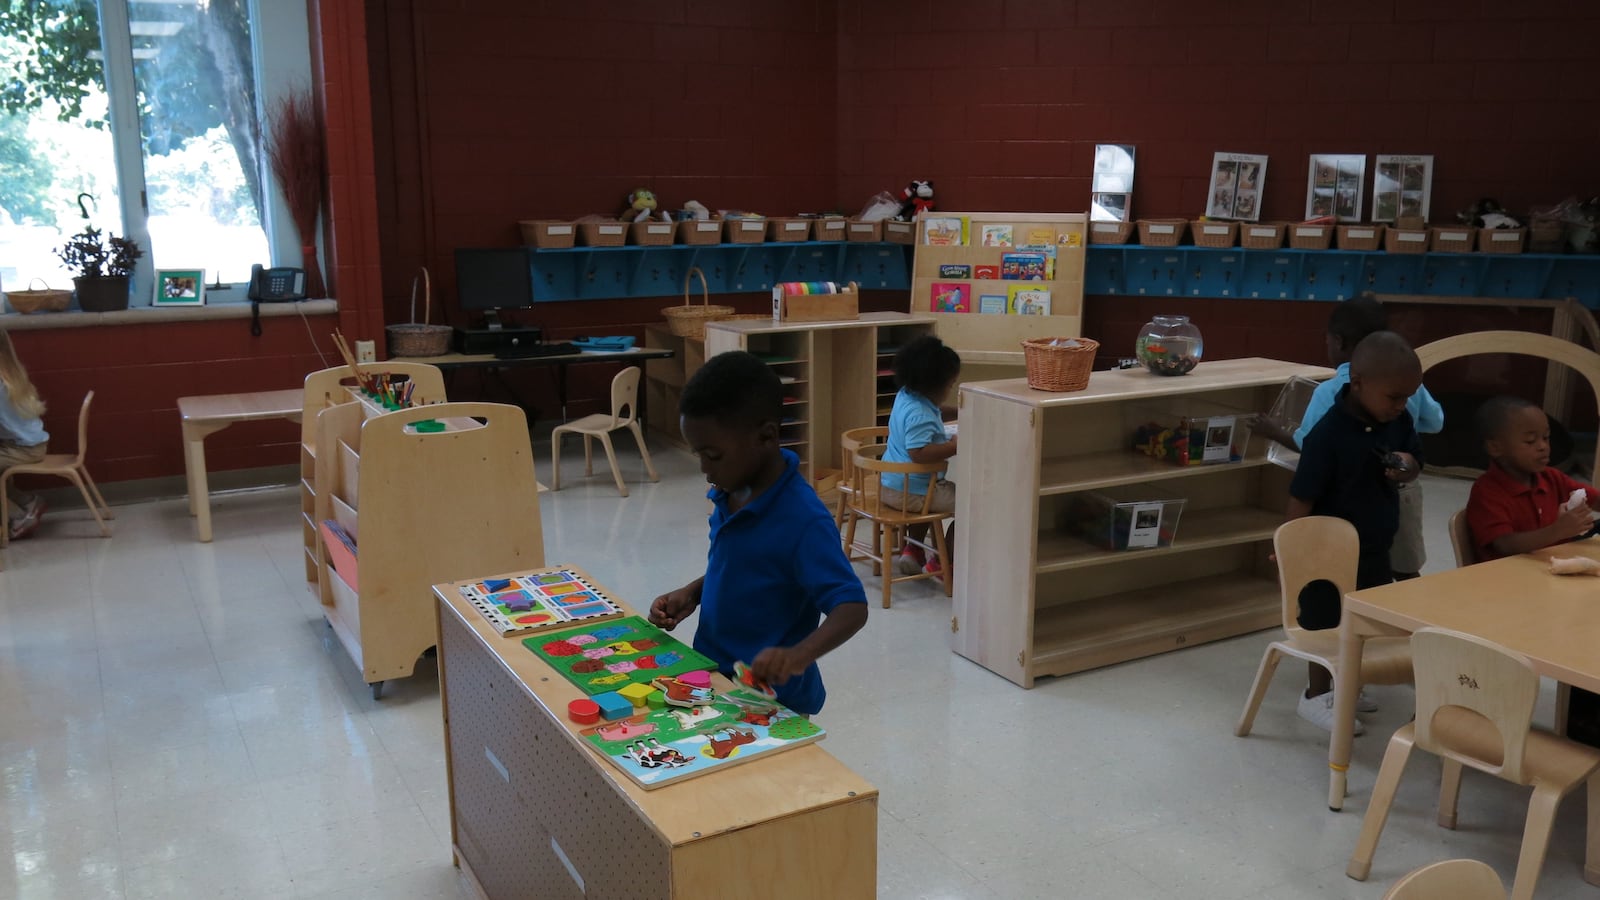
926,371
23,439
1348,325
1519,503
776,566
1351,465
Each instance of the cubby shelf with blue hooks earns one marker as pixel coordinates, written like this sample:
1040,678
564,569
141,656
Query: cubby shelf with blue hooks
608,273
1336,274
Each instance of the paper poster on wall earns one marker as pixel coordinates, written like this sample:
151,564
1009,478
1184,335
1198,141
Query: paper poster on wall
1112,188
1236,180
1401,186
1145,529
1334,186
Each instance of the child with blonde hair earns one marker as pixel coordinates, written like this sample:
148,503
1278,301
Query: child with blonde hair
22,435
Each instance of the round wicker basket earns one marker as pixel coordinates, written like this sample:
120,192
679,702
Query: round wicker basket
689,321
419,338
43,300
1062,366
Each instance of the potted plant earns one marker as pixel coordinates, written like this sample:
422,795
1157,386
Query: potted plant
102,266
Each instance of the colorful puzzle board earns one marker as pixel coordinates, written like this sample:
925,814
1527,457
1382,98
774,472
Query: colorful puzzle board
683,743
612,655
539,600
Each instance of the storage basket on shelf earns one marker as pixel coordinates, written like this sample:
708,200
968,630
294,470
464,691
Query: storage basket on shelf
603,234
788,230
869,231
829,228
1405,240
653,234
700,231
547,235
1451,239
746,231
419,338
1059,363
900,232
1162,232
1310,235
1546,236
1262,235
1110,232
1213,234
1501,240
688,320
40,300
1360,237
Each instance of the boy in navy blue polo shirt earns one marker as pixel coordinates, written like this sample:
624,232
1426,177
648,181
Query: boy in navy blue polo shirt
1351,465
776,566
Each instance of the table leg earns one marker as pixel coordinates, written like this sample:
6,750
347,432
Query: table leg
561,389
1347,687
194,459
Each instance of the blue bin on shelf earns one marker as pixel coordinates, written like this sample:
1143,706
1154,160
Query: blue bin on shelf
1451,275
1213,273
1102,270
1574,276
1271,275
1331,276
1514,275
1154,271
1396,273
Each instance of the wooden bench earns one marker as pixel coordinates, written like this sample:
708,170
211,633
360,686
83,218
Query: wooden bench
203,416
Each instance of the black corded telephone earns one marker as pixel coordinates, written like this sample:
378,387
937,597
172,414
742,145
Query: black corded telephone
282,285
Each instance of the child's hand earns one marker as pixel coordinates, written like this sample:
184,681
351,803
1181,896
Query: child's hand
1574,522
775,665
672,607
1408,469
1270,429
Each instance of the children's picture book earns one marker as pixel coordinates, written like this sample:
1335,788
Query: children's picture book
1236,180
1401,186
1028,301
539,600
1022,267
944,231
1334,186
951,297
664,746
1039,236
610,655
954,270
996,235
1048,251
992,303
986,273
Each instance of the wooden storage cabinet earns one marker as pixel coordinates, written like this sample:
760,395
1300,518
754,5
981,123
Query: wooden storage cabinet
831,373
664,379
1033,597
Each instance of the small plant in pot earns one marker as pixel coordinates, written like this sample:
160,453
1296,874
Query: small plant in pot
102,266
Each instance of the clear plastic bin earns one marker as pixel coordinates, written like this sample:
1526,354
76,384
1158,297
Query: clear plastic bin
1129,517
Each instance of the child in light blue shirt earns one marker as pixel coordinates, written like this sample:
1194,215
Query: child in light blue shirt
926,372
22,435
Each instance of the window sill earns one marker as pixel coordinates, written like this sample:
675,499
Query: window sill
162,315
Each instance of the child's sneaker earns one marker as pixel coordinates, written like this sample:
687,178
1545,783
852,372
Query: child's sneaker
1318,711
932,568
1365,704
31,514
908,563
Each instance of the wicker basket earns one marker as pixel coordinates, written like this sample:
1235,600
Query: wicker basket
1454,239
872,231
746,231
1405,240
788,230
689,321
1162,232
653,233
1501,240
1213,234
1360,237
547,235
1547,237
900,232
1262,235
603,234
829,228
419,338
1310,236
700,231
1052,368
42,300
1110,232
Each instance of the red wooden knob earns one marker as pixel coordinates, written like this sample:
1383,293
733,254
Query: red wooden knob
584,712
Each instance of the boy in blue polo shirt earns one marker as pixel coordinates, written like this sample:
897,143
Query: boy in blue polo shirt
776,566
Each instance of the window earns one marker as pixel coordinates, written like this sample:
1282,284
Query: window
145,117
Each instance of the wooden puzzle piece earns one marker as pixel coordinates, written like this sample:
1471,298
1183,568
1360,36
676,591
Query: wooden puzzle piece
694,717
696,679
723,748
637,694
613,705
494,585
562,648
598,652
625,731
650,754
611,632
748,679
585,666
608,679
582,639
681,693
620,667
515,601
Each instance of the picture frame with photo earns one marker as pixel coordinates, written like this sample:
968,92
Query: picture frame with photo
1401,186
1237,180
180,287
1335,186
1112,187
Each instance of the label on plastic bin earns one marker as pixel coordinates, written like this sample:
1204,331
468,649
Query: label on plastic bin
861,226
1213,229
1105,227
832,226
1410,238
1263,232
1145,529
657,229
1452,235
1219,439
752,226
558,229
610,229
1353,232
1162,229
707,226
796,226
1511,236
1317,232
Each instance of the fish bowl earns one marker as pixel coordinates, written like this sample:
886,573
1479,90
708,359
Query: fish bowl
1169,345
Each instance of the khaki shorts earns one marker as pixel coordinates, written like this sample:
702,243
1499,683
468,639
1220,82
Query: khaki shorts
17,455
944,498
1408,554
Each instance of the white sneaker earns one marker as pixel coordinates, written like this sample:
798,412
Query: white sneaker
1318,711
1365,704
907,564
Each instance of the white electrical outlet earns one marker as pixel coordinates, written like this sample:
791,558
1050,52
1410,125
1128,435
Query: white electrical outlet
366,351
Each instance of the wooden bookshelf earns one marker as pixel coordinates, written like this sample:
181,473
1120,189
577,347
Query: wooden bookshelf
1034,598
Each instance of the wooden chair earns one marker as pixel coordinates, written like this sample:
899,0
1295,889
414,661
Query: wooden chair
1461,540
624,414
1475,708
887,524
850,441
61,465
1450,879
1310,549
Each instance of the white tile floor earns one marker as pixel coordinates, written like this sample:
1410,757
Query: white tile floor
176,722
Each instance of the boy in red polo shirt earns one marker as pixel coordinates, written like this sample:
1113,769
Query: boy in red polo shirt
1520,503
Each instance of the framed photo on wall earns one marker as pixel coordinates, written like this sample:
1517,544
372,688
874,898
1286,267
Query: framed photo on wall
1113,183
180,287
1335,186
1401,186
1236,181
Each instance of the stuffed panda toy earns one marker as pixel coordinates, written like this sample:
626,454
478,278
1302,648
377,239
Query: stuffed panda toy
917,198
